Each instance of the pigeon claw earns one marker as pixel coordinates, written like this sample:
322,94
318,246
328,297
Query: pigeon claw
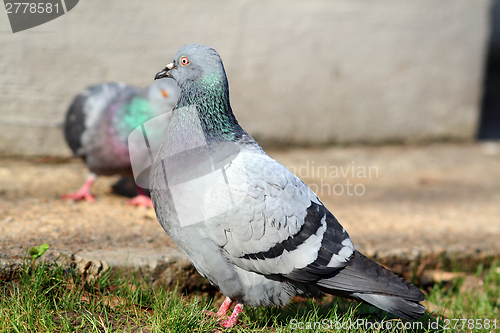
79,195
141,200
227,321
234,318
84,192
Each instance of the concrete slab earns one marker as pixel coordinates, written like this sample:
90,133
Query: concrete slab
167,267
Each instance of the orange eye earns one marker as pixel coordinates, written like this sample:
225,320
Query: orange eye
184,61
164,93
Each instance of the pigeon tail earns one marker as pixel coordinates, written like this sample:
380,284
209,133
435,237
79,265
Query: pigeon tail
398,306
366,280
74,125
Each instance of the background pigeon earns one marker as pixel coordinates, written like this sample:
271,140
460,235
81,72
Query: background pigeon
99,121
245,221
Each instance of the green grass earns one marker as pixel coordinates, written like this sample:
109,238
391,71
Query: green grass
476,298
52,298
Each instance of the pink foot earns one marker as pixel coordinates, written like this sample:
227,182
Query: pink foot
141,200
224,307
79,195
233,320
84,192
229,321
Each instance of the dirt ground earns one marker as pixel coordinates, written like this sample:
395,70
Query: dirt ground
405,201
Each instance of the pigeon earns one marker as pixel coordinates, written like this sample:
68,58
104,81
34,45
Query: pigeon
247,223
99,121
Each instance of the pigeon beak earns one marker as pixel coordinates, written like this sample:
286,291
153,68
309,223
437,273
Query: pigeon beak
164,72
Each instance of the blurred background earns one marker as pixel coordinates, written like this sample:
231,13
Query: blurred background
300,73
408,89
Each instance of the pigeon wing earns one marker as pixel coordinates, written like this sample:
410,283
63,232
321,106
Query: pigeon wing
85,114
280,226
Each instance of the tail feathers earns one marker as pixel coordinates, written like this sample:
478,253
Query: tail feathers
364,279
398,306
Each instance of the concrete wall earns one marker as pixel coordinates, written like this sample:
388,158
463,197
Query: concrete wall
300,72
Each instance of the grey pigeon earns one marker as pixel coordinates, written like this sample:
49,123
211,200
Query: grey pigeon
247,223
99,121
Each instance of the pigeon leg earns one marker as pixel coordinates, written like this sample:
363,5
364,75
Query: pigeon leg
141,199
84,192
222,310
224,307
233,320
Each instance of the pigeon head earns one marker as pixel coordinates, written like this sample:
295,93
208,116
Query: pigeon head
163,94
199,72
194,63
